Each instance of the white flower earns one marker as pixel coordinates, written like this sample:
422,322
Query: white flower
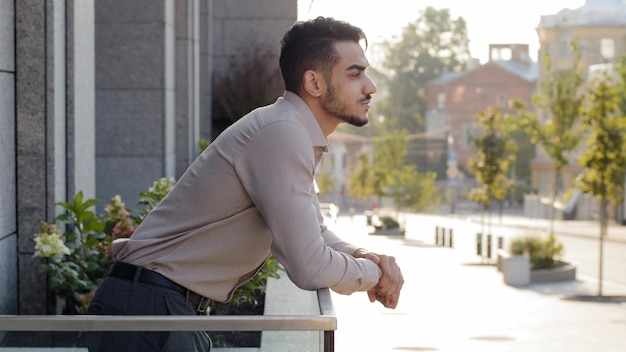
49,243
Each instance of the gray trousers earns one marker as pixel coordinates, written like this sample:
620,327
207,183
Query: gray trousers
124,297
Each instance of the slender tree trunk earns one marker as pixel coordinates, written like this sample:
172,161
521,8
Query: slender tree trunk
553,200
603,230
482,232
489,235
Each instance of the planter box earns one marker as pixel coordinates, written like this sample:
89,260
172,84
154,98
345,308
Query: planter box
500,255
389,232
515,269
563,272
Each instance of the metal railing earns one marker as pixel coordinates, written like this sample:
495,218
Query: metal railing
326,321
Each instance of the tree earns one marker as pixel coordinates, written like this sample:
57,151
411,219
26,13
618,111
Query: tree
433,44
389,175
325,182
412,190
521,171
361,184
495,152
389,156
556,127
604,158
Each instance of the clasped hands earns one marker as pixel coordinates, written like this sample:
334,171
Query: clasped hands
387,291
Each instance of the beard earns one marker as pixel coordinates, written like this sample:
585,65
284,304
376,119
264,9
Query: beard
333,106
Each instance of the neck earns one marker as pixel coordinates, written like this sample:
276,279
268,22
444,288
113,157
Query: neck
328,123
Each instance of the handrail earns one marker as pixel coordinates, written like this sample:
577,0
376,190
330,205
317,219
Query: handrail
326,321
165,323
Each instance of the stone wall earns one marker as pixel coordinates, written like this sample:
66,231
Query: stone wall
135,98
154,66
8,236
53,124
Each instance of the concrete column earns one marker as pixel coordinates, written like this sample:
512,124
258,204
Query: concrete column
39,37
206,67
187,83
53,124
135,96
81,120
8,214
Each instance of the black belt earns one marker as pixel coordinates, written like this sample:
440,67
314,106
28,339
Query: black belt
128,271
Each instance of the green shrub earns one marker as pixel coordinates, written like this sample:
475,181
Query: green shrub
544,253
387,222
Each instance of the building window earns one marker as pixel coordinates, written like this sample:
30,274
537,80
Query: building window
503,54
564,42
441,101
468,131
607,49
502,100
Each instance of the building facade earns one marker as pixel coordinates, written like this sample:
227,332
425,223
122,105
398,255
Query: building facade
105,97
340,165
456,98
599,29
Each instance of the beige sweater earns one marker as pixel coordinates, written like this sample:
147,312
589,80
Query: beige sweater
248,195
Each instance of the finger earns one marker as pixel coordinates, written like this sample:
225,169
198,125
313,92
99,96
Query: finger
371,294
362,253
389,301
373,257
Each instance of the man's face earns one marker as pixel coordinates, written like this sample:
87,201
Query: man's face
350,89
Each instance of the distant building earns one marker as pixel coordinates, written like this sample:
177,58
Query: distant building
340,163
455,98
599,28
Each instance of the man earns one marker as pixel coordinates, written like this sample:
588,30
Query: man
250,195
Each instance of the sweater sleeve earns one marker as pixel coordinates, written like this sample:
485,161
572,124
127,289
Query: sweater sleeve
277,170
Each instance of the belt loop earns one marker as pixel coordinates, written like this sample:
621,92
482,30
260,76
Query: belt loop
203,306
137,274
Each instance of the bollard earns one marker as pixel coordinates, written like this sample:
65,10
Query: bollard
436,235
500,242
442,236
368,217
488,246
450,238
479,244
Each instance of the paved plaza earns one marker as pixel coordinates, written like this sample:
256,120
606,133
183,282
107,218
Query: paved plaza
452,301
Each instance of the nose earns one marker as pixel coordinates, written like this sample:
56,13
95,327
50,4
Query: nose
370,86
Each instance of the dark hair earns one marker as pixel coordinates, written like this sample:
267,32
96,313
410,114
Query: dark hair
310,45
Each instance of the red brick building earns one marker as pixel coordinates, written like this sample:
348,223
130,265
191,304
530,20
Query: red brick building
455,98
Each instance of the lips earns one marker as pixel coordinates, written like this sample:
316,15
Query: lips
366,101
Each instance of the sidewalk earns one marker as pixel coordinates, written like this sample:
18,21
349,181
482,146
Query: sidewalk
449,305
580,228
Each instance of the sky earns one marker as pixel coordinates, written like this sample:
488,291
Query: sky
488,21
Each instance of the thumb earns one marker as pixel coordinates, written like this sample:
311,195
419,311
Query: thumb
371,294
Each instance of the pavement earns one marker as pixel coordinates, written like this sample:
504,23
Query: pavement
452,301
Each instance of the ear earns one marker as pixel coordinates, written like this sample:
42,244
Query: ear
314,83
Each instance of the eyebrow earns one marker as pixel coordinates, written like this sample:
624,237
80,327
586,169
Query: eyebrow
356,67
